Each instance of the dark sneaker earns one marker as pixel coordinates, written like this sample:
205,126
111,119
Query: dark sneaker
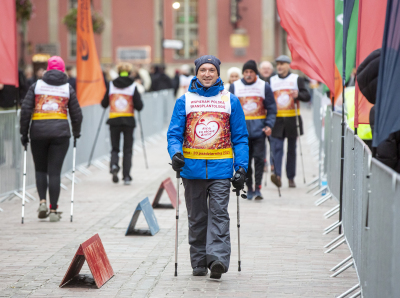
258,195
114,172
200,271
43,210
127,180
55,216
217,269
276,180
292,184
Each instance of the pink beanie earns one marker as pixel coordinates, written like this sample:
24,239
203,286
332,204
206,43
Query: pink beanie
56,62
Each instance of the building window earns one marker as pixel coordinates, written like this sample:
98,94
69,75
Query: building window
72,36
186,28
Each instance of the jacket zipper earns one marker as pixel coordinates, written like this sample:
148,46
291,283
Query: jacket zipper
206,170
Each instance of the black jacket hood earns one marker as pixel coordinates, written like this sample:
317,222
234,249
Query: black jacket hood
367,75
122,82
55,77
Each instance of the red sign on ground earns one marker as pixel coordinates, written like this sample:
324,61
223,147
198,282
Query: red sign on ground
93,252
168,185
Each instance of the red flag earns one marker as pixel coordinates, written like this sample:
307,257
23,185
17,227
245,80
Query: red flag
310,26
8,43
90,86
371,22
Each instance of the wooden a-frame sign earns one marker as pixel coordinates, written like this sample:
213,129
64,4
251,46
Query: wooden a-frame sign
93,252
169,187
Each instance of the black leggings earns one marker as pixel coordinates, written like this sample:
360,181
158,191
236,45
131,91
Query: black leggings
48,155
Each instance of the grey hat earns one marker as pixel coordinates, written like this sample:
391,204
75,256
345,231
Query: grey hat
207,59
284,59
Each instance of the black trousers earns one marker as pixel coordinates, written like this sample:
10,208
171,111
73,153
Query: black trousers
115,132
48,156
257,150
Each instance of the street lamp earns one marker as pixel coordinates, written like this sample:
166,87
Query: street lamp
176,5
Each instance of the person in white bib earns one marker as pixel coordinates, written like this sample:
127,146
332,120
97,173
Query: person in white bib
259,108
207,140
123,98
44,116
288,88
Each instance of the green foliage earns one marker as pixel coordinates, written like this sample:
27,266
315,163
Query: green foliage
24,10
70,21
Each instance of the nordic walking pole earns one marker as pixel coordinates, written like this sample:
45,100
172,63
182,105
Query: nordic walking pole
73,179
95,139
238,226
178,177
24,185
298,132
144,147
273,161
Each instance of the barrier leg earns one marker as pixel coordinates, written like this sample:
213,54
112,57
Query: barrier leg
343,269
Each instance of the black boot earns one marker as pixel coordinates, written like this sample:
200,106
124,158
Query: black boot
217,268
200,271
114,172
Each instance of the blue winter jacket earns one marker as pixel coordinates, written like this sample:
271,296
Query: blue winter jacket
255,126
210,168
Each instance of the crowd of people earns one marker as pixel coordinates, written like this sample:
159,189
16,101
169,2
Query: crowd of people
215,129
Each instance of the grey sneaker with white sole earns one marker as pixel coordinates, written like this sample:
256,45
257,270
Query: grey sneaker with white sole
43,211
55,216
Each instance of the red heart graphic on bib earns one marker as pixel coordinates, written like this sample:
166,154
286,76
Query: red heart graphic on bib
207,131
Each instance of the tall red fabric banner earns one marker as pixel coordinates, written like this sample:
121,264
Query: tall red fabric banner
8,43
310,26
371,23
90,86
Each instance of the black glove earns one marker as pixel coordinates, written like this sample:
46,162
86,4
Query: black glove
238,179
77,136
24,140
178,161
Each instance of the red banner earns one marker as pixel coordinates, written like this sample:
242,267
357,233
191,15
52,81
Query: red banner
310,26
90,85
8,43
371,22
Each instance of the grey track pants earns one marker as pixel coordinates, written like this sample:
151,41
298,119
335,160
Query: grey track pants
209,236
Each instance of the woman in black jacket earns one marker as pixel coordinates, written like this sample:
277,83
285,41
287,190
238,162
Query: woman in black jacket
44,115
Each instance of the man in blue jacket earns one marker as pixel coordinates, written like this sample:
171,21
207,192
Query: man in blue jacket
259,108
207,139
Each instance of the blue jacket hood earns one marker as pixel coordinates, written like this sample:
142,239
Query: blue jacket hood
196,87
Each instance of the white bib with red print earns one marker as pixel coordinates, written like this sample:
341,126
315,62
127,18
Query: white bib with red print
121,101
207,133
283,89
51,102
251,98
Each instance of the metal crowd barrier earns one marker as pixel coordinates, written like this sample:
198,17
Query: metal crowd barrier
371,211
155,116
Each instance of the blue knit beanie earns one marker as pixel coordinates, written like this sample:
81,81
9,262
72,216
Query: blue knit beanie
207,59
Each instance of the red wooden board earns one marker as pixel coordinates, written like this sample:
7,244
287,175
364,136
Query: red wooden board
93,252
169,187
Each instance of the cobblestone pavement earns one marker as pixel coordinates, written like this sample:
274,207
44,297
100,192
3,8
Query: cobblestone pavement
281,242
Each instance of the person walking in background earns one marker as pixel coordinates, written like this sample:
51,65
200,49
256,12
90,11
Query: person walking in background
259,108
71,77
234,74
184,80
207,139
44,117
266,71
159,80
123,98
288,89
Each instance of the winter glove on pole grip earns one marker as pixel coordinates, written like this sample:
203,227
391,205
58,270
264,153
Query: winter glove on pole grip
178,162
239,179
24,140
